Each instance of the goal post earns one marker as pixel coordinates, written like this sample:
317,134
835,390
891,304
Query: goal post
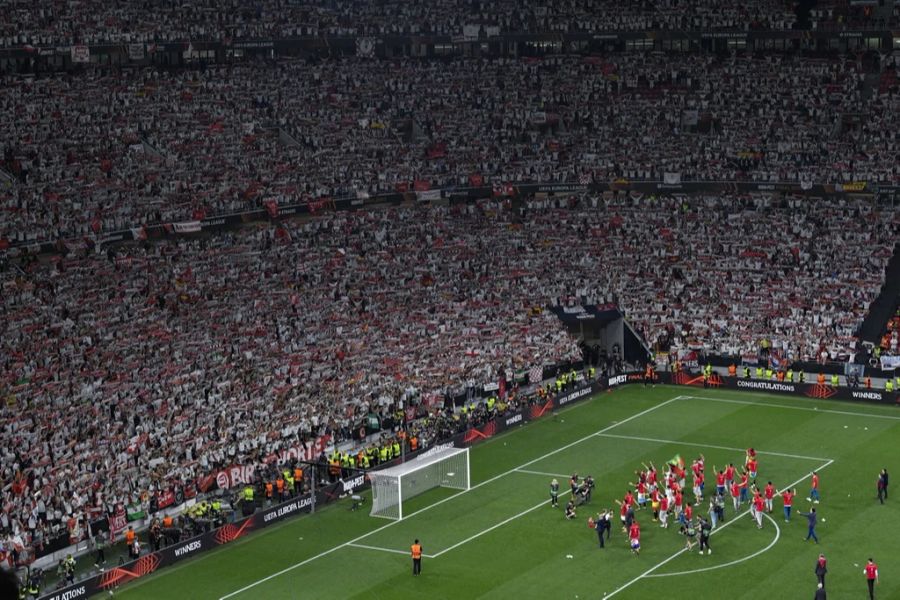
392,487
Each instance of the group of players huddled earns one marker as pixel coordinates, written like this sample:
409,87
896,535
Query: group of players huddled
665,495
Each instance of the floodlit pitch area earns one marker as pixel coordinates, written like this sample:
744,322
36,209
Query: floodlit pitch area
501,538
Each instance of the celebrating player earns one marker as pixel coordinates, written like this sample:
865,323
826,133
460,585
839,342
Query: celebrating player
769,494
814,488
787,497
634,537
759,505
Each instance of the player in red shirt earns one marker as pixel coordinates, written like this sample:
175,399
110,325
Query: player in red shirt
688,513
751,455
679,475
736,495
788,497
814,488
623,512
720,482
641,488
769,493
678,503
729,474
634,536
871,572
751,468
651,476
759,505
699,483
744,485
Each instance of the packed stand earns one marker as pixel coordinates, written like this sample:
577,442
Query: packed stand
100,153
189,355
129,21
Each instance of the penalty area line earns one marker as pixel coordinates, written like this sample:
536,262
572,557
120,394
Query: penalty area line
542,473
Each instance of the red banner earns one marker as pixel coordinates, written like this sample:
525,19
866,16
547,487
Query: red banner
117,522
165,499
242,474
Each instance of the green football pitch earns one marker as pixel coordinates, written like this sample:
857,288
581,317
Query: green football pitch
502,539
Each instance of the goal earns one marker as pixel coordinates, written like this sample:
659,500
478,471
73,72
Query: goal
394,486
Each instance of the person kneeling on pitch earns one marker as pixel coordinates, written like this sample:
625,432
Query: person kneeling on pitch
570,509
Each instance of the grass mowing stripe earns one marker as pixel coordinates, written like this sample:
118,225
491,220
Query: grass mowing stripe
541,473
496,525
474,487
806,408
685,443
683,550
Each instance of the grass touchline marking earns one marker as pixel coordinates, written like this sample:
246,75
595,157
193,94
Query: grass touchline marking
686,443
438,503
733,562
683,550
806,408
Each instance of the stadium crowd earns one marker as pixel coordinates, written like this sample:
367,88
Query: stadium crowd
157,363
105,151
161,21
154,364
129,21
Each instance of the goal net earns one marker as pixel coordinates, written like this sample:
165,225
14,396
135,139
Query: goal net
394,486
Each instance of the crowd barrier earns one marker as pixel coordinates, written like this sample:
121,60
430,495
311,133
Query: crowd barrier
803,390
153,561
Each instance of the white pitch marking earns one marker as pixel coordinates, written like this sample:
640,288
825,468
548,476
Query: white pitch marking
540,473
728,564
496,525
380,549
